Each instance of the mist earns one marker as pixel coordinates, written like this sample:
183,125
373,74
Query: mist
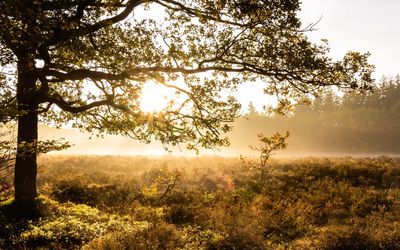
354,124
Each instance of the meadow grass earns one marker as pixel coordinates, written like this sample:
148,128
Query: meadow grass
108,202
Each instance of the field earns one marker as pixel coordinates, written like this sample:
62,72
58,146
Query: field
109,202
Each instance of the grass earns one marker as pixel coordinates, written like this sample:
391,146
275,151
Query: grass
210,203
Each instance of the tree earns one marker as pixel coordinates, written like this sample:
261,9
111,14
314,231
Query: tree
268,147
251,110
84,63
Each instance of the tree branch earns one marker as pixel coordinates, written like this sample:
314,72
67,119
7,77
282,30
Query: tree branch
67,106
63,35
82,74
176,6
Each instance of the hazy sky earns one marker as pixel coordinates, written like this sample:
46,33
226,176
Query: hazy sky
362,25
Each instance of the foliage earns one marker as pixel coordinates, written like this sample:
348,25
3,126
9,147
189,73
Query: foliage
68,225
6,161
76,225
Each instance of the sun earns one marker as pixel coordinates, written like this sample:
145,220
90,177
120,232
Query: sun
155,98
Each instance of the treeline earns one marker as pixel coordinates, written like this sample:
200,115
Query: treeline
348,124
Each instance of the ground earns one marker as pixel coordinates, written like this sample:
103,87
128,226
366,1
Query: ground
109,202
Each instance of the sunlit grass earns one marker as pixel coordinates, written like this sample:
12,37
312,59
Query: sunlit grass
106,202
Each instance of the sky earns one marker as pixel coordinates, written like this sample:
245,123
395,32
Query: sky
360,25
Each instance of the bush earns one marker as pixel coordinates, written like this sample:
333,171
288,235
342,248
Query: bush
345,237
63,226
103,196
156,236
180,214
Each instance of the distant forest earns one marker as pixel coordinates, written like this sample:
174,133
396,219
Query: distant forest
350,124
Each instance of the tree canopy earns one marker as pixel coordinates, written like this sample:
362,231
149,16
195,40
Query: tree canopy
89,60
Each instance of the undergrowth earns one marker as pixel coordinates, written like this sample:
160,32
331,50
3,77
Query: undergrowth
210,203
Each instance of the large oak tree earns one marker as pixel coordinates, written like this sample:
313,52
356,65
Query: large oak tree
85,62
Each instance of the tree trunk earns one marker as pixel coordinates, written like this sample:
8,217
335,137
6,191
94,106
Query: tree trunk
25,164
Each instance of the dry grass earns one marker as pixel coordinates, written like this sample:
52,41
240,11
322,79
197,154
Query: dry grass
212,203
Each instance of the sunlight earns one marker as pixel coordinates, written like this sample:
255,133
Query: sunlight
155,98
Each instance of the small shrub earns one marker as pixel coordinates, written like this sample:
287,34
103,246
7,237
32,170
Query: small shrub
369,201
158,235
103,196
180,214
345,237
70,226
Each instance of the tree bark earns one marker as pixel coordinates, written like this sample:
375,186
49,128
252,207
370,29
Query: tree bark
25,164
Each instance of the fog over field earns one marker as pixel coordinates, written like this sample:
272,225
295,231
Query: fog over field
358,125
